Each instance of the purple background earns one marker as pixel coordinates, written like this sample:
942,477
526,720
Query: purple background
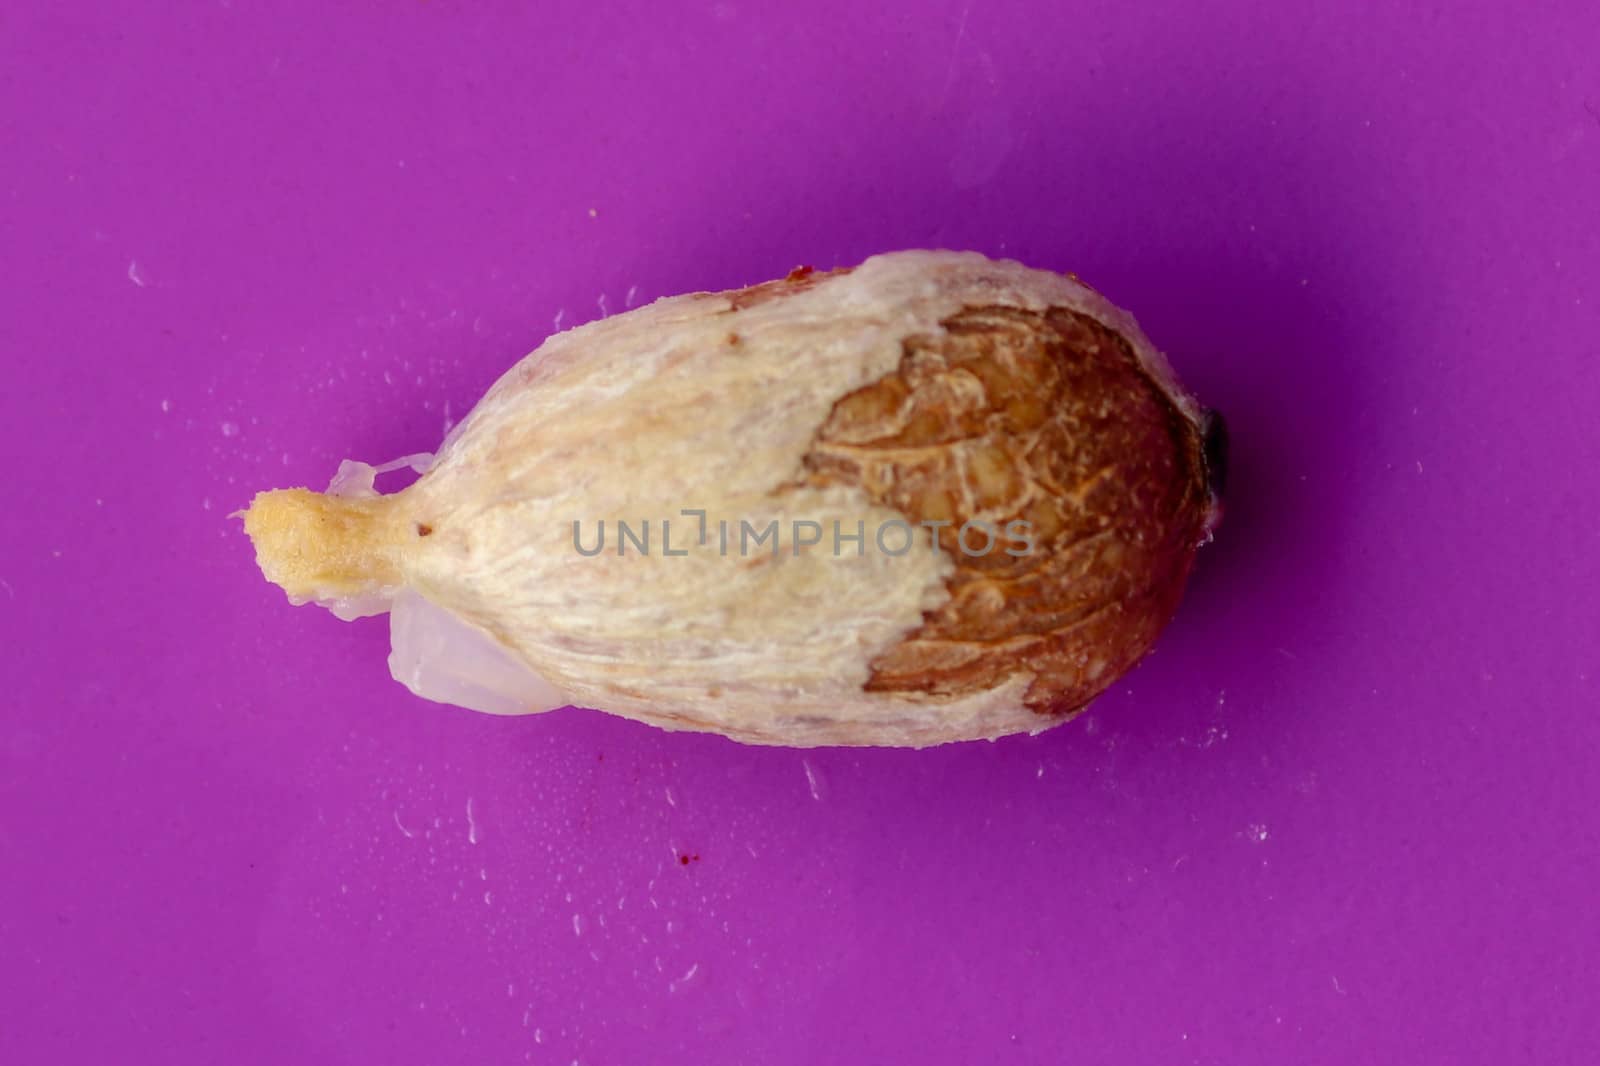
1346,813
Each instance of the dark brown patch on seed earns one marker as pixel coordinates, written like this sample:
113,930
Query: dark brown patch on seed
1048,420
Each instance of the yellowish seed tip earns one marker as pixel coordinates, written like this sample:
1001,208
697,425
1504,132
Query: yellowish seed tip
318,547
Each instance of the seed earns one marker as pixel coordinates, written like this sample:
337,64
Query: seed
750,464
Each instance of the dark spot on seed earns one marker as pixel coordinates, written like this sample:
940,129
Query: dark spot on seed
796,281
424,530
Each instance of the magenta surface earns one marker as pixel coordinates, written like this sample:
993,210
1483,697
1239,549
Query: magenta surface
1346,813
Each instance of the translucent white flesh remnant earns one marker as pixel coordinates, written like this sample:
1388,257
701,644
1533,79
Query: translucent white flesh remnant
355,479
443,658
